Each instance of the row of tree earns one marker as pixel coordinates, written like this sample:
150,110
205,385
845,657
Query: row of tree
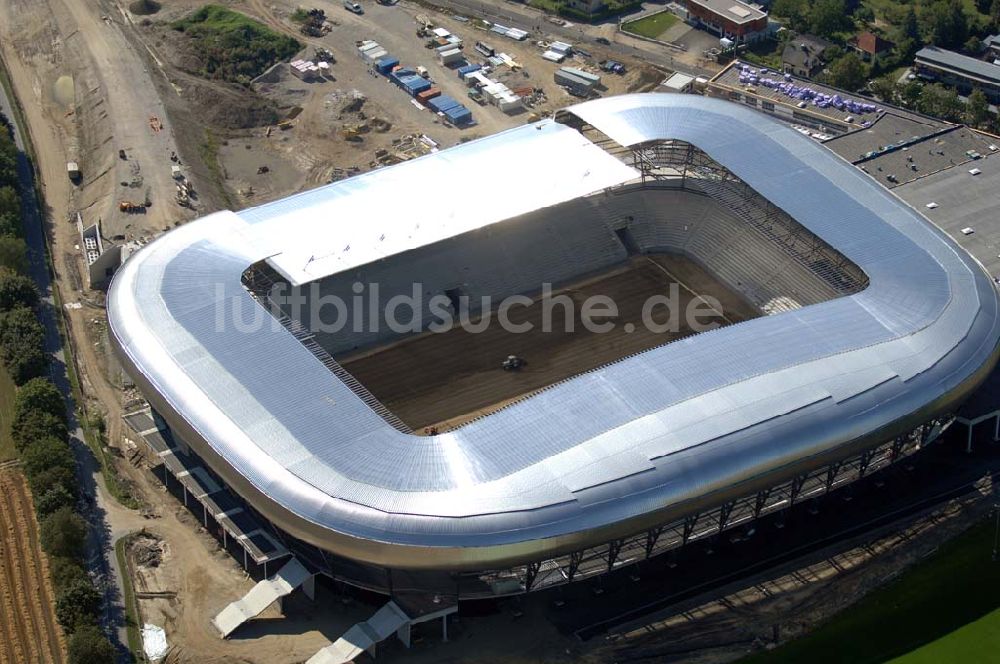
40,432
22,337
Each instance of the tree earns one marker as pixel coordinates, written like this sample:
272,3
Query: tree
847,72
947,24
88,645
22,345
63,533
53,478
53,500
886,89
977,108
16,291
910,27
78,605
940,102
973,46
65,571
796,11
983,6
46,453
828,17
34,425
40,394
14,254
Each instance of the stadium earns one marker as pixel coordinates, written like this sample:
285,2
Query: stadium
850,330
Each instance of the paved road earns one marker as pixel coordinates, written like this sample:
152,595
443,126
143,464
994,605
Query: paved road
100,553
525,18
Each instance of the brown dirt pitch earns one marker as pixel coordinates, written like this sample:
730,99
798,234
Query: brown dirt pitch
446,379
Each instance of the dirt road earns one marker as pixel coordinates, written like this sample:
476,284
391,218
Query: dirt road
28,628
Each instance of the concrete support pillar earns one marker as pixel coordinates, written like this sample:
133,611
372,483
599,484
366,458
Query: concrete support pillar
968,444
185,495
996,428
309,587
444,628
204,515
403,634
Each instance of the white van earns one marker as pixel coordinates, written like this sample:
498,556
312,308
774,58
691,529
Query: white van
353,7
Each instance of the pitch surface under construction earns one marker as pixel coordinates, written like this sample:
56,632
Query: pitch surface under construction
447,379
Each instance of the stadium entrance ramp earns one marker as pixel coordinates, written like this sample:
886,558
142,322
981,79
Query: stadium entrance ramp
364,636
261,596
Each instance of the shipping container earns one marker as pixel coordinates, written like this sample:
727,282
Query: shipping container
416,84
468,69
579,73
377,54
385,65
449,57
427,94
458,115
563,77
442,102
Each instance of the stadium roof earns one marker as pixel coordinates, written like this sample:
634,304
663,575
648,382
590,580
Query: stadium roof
599,456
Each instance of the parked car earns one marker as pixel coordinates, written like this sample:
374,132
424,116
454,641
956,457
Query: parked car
603,40
353,7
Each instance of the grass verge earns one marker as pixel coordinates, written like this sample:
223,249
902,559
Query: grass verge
945,607
128,598
651,26
208,149
7,390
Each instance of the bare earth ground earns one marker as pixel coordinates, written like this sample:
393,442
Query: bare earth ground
447,379
28,628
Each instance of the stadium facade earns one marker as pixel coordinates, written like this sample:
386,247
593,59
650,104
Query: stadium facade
877,327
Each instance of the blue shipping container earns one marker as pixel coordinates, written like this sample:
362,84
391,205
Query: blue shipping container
385,65
415,84
458,115
468,69
442,103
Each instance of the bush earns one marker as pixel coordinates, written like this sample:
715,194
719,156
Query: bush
234,47
22,345
46,453
16,291
64,572
88,645
78,604
64,533
40,394
14,254
51,478
53,500
34,425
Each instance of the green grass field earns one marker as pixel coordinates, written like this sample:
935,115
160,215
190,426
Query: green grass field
978,641
232,46
7,390
944,609
651,26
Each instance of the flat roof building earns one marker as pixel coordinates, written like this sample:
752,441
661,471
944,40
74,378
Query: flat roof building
732,19
959,71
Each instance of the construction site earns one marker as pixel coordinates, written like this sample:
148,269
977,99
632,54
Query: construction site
438,382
